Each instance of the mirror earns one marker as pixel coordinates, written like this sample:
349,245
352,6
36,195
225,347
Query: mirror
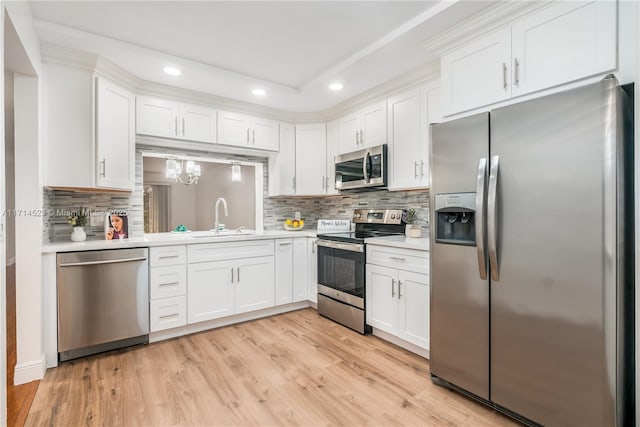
168,203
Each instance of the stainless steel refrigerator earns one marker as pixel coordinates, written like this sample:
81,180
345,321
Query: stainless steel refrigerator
532,257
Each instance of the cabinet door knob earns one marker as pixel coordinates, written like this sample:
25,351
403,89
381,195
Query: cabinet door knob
103,172
415,170
231,274
516,67
393,288
183,126
254,136
504,75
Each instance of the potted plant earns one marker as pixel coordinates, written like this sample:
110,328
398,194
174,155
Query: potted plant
78,220
412,229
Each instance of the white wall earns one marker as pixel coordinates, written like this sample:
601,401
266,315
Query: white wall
9,167
3,283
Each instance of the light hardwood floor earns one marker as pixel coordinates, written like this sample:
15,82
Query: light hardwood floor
295,369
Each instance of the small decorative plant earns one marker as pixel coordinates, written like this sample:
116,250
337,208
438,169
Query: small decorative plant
79,218
411,216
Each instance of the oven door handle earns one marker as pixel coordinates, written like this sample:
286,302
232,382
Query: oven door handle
353,247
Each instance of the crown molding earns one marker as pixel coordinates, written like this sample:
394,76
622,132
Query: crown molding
494,17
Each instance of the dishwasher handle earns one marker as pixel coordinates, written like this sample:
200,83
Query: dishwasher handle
110,261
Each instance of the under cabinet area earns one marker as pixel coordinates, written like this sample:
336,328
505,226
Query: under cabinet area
397,294
91,120
555,44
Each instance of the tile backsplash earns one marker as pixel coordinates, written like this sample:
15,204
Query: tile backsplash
276,209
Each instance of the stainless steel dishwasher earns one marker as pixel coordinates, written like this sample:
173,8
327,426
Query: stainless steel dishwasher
103,301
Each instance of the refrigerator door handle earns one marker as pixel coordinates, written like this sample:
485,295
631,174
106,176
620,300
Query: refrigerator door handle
492,217
480,220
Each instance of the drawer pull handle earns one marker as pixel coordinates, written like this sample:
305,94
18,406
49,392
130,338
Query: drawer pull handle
395,258
284,243
169,284
166,316
168,256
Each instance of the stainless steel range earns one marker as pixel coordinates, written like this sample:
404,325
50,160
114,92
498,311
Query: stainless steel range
341,265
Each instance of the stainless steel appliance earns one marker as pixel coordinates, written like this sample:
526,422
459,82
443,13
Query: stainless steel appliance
531,291
341,265
362,168
103,301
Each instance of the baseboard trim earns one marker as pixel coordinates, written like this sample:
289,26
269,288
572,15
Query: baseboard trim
225,321
30,371
401,343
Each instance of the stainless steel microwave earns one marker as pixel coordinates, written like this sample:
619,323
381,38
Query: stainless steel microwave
362,168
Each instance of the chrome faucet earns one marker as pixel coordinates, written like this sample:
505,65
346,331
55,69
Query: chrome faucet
226,213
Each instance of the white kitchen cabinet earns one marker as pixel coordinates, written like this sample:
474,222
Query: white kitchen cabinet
170,119
87,131
167,288
300,265
364,128
397,297
312,269
115,136
210,290
282,166
553,45
311,159
332,151
242,130
563,42
229,278
284,271
477,73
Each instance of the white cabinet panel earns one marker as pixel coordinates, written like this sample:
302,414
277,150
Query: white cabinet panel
282,166
170,281
284,271
210,291
254,284
402,259
382,307
332,151
312,270
233,129
374,124
311,159
167,255
197,123
300,275
157,117
413,297
115,136
478,73
349,133
563,42
167,313
265,134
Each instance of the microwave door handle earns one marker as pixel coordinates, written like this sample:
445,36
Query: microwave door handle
365,166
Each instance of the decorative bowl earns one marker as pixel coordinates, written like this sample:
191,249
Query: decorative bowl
291,228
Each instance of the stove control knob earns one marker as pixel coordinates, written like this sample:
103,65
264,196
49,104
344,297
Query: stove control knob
393,216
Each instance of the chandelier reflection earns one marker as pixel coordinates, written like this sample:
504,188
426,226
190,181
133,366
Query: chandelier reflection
188,175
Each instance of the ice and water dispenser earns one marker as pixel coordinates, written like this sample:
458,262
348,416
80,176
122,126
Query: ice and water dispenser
455,218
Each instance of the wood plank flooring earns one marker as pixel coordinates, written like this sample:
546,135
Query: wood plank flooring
293,369
19,397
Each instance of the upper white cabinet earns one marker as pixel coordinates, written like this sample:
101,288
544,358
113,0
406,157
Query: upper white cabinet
282,167
115,136
557,44
364,128
332,151
311,159
409,139
478,73
90,120
247,131
169,119
563,42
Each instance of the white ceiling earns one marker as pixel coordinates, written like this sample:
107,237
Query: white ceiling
291,49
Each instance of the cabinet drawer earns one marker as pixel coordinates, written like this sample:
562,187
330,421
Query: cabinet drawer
167,255
169,281
229,250
167,313
401,259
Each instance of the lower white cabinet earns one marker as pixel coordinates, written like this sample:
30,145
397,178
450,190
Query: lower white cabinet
291,270
222,288
398,303
312,269
167,288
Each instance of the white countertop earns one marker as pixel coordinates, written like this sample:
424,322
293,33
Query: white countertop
419,243
168,239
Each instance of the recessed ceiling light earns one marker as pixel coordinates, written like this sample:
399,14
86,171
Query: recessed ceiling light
335,86
172,71
259,92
